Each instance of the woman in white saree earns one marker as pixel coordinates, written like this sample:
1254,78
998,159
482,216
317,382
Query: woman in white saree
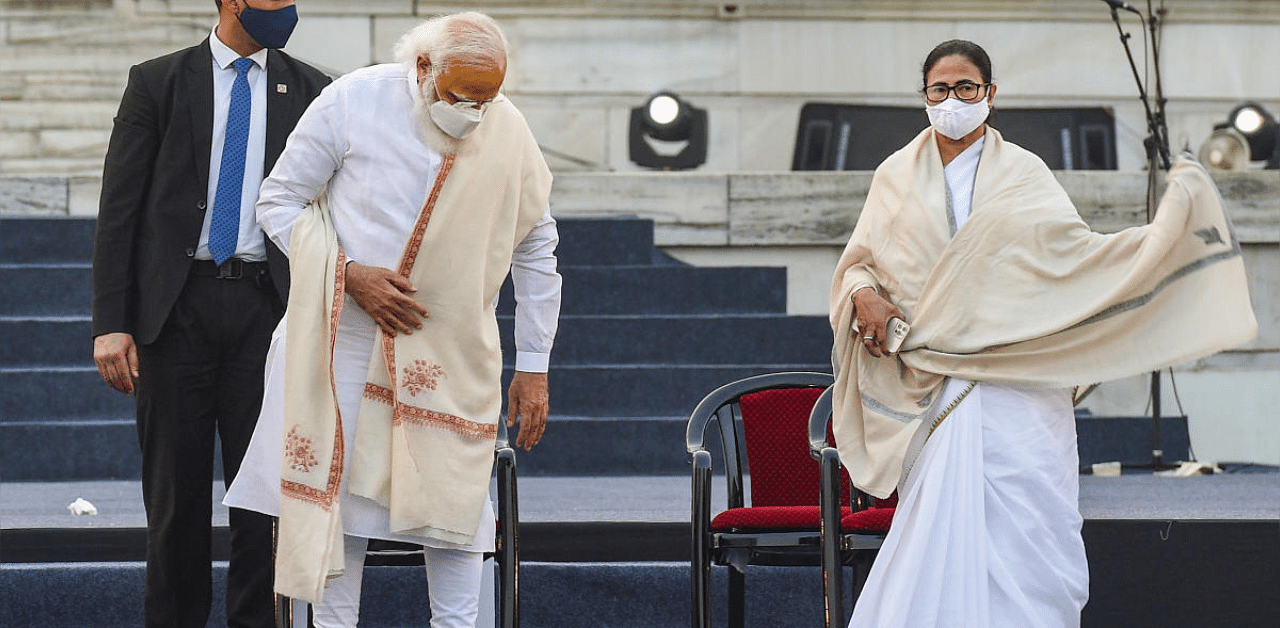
1012,301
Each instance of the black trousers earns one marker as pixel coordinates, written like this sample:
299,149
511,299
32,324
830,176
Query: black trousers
204,376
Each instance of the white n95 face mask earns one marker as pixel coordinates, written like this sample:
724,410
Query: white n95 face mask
458,119
956,119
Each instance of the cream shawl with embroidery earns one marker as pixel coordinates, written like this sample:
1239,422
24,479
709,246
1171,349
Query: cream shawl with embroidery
1024,293
425,436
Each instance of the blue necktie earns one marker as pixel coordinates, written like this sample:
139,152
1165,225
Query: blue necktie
224,227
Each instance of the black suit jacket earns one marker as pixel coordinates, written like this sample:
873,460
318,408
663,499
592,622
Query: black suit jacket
155,181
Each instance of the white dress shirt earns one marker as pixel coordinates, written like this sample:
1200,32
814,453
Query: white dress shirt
250,245
378,172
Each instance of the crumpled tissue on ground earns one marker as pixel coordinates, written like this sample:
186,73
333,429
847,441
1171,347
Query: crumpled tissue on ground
81,507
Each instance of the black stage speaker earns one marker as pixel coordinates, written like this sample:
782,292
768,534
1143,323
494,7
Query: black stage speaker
859,137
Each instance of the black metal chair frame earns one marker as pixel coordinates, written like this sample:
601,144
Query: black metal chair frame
507,554
771,548
838,549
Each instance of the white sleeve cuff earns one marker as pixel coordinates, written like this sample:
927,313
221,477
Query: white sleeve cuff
532,362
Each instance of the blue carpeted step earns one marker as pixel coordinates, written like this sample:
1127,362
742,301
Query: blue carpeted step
553,595
46,290
1137,578
633,290
630,390
656,595
682,339
74,450
612,446
607,242
104,595
52,341
726,339
69,393
75,393
583,241
68,291
46,240
573,446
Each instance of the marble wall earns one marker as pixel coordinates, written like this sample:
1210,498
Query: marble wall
578,67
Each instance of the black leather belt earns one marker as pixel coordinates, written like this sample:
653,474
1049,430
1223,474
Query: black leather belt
234,268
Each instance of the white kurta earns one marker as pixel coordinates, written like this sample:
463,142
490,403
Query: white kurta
374,211
987,529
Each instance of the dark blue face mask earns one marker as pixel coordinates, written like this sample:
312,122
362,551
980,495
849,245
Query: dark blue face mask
270,28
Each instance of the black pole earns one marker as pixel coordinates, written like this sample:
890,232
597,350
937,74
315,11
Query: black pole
1157,150
1157,454
1152,136
1160,126
1160,139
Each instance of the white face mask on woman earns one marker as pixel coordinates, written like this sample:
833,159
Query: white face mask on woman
956,119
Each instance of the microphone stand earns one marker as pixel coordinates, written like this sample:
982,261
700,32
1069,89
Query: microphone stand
1157,148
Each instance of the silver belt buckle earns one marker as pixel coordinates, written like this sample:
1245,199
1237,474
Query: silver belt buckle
231,269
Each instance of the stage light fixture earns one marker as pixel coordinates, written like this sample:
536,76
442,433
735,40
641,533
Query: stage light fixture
668,133
1225,150
1260,128
1250,134
1247,119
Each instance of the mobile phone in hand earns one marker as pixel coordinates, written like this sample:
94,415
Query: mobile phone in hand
895,332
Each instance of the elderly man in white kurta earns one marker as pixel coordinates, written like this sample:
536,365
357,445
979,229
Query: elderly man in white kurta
404,197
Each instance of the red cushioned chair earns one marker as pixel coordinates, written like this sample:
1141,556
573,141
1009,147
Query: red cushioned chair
762,423
862,526
506,557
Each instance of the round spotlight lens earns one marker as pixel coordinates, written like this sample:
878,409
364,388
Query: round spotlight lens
1226,150
1248,120
663,109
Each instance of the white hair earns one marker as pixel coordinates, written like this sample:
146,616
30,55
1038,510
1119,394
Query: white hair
470,38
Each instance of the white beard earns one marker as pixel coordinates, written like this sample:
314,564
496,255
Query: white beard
428,131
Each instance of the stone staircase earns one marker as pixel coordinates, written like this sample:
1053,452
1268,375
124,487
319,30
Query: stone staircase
642,338
57,420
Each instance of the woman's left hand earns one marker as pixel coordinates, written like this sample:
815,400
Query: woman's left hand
871,316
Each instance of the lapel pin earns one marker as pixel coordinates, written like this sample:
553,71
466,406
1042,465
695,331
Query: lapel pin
281,88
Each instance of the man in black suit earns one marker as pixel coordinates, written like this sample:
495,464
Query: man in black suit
187,290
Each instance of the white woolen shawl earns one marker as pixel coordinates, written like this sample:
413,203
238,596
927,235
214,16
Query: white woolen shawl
1024,293
426,430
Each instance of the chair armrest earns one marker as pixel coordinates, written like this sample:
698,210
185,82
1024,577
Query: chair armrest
829,475
695,431
503,440
508,499
509,539
819,419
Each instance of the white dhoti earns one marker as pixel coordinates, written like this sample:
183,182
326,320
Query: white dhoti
257,486
987,530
